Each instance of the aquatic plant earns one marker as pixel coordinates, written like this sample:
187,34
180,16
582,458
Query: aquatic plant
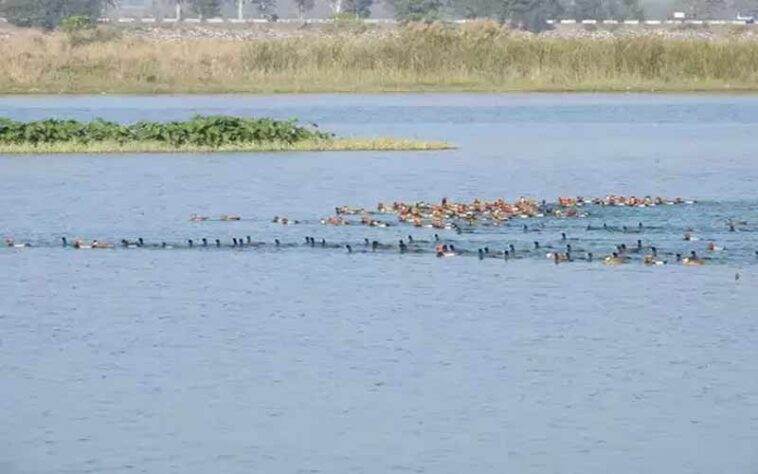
200,131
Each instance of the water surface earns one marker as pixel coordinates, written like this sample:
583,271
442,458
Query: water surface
195,361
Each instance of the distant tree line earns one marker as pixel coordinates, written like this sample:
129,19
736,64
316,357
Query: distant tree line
524,14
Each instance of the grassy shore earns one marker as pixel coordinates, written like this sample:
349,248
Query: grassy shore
337,144
477,57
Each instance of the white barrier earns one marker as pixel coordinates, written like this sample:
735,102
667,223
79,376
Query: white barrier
389,21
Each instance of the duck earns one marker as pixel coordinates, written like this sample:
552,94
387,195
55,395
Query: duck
226,218
651,260
96,244
11,242
196,218
614,259
693,259
444,251
689,236
79,244
713,247
64,242
130,245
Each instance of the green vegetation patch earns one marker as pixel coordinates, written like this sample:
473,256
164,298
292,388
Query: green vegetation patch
200,134
200,131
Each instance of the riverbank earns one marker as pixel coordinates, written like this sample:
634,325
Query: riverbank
339,144
478,57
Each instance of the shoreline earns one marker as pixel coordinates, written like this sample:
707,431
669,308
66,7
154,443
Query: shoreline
344,144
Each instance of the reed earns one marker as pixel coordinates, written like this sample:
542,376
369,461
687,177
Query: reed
478,57
338,144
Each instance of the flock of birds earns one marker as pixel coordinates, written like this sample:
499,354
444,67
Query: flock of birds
461,218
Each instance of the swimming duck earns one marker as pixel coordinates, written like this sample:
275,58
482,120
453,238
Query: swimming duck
196,218
79,244
713,247
444,251
651,260
10,242
225,218
614,259
693,259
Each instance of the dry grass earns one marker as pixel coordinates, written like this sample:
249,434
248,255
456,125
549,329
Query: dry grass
344,144
480,57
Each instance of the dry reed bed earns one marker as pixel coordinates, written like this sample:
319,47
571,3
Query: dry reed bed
483,57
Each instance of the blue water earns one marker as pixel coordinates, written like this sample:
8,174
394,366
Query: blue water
314,360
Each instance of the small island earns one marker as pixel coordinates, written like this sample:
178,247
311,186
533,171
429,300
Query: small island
200,134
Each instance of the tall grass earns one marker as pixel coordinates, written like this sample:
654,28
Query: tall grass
479,57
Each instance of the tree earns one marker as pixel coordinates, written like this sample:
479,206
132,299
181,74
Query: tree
530,15
477,8
362,8
49,13
417,10
588,10
304,6
265,7
206,8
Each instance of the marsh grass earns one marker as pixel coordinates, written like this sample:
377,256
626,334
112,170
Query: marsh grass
338,144
476,57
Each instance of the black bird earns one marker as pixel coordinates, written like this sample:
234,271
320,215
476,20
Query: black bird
234,241
205,242
140,242
349,248
526,228
374,246
323,243
436,238
249,240
536,245
506,255
568,248
278,244
403,247
163,245
313,242
410,239
218,243
589,256
512,249
190,243
481,254
64,241
563,236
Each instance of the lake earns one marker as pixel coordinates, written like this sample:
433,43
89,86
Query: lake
307,360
